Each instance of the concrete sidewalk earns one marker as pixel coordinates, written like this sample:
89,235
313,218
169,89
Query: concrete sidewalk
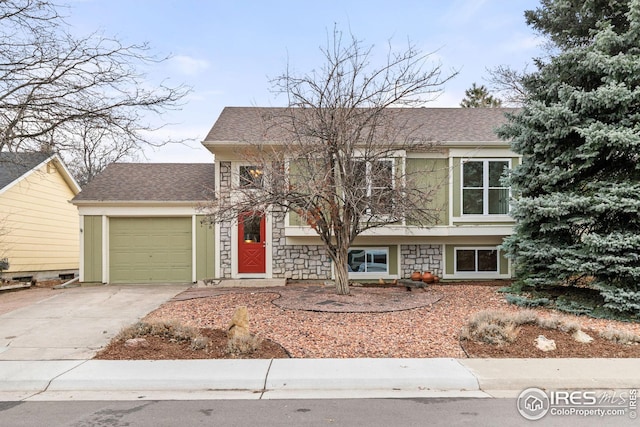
306,378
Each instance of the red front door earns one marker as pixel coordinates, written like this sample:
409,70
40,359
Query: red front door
251,243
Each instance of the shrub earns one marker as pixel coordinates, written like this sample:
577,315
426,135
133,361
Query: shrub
243,344
172,330
199,343
491,327
522,301
620,337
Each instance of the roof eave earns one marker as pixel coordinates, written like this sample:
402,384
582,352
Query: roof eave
138,202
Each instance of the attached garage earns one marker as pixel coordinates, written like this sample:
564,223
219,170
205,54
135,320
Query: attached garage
142,223
150,250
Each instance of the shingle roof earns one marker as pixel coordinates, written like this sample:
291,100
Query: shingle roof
178,182
474,125
14,165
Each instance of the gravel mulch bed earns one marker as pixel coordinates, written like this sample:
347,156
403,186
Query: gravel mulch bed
431,329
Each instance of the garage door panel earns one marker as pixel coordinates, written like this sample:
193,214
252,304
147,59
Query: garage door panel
150,250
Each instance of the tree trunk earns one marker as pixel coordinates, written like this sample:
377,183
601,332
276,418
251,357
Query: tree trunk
342,272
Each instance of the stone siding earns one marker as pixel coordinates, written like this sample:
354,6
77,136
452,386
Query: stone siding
420,258
298,262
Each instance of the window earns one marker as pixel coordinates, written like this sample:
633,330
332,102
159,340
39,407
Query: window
368,260
482,192
476,260
376,190
250,177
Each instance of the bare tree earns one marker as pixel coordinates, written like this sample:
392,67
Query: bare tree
338,163
508,84
94,147
55,84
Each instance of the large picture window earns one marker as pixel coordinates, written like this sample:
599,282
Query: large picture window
476,260
482,192
376,190
368,260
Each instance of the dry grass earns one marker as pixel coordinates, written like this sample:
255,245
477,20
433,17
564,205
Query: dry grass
620,337
242,344
500,327
170,329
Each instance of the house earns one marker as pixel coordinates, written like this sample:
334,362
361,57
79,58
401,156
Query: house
39,236
144,223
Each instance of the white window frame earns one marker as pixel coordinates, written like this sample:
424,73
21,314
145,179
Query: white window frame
485,187
476,272
370,274
369,180
236,178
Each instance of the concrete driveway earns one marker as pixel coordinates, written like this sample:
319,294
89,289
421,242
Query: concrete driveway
75,323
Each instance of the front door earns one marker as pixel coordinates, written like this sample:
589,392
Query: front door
251,243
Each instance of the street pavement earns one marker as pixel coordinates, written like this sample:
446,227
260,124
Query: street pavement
46,350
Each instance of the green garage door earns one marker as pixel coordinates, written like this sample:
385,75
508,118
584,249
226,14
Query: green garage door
143,250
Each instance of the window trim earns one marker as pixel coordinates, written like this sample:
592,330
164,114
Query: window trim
370,274
476,271
485,188
236,178
369,180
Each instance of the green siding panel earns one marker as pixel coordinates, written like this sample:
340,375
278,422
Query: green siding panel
457,187
92,235
431,175
504,263
205,249
150,250
449,259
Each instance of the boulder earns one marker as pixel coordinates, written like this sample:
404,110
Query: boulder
544,344
582,337
239,325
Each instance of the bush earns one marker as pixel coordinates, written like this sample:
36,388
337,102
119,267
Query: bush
620,337
522,301
243,344
491,327
170,329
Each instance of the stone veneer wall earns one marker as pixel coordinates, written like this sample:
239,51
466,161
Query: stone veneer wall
299,262
225,226
420,258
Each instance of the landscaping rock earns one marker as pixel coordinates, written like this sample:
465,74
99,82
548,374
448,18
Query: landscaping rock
545,344
239,325
582,337
136,343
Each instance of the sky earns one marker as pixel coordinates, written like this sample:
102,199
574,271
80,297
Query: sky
228,51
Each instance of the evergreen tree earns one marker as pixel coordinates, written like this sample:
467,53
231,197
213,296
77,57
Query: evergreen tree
577,190
479,97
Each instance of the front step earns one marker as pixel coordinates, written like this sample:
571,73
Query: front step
240,283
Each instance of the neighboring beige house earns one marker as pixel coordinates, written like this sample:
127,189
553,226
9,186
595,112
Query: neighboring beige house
39,233
142,223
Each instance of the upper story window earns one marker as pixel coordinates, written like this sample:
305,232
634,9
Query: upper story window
377,183
250,177
482,192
